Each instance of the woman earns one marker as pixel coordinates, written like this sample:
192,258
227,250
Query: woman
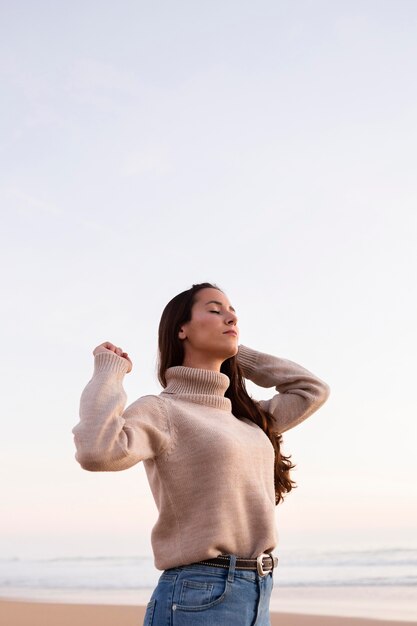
211,454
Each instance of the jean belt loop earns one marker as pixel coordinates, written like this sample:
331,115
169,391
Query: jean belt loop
232,566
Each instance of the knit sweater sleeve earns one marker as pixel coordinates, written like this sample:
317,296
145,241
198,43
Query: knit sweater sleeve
301,393
109,437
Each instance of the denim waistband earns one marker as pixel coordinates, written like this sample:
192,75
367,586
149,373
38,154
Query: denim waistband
225,572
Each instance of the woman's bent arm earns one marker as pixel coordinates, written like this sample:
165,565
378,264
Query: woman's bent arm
301,393
109,438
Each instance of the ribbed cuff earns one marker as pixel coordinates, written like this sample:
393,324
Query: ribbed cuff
110,362
247,359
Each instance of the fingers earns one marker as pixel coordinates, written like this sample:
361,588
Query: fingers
103,347
110,347
126,356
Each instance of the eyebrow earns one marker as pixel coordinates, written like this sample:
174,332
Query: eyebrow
220,304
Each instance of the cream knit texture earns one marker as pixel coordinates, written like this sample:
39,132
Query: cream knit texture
211,474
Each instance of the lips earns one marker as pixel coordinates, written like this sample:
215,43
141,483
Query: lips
230,332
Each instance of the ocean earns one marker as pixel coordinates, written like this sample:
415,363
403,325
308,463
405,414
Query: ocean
368,583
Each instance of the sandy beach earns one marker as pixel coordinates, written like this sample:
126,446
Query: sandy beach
20,613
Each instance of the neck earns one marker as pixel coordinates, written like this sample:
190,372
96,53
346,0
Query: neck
196,385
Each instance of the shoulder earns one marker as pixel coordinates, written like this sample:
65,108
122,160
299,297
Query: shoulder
151,405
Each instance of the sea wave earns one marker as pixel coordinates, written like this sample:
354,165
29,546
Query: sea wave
390,567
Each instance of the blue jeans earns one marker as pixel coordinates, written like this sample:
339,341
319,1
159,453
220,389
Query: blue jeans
206,595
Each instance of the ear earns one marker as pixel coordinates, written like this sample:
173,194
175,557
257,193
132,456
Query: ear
182,334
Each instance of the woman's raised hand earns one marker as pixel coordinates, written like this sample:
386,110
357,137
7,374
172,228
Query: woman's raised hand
110,347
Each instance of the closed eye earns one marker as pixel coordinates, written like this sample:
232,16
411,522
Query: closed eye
218,312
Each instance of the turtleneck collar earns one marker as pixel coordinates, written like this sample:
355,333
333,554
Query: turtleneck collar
199,386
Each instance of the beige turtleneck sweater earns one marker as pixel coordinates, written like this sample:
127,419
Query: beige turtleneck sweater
211,474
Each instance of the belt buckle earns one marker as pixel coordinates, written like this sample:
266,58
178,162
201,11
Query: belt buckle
259,564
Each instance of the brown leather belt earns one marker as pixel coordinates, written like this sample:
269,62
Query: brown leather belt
264,563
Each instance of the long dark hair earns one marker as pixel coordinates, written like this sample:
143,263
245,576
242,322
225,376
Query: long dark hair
171,352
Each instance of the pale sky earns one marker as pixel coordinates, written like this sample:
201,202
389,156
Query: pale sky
269,147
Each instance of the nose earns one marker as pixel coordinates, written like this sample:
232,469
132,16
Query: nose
231,318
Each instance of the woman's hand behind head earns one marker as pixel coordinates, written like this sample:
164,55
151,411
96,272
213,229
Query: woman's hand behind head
110,347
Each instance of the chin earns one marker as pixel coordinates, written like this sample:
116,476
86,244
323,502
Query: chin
232,352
